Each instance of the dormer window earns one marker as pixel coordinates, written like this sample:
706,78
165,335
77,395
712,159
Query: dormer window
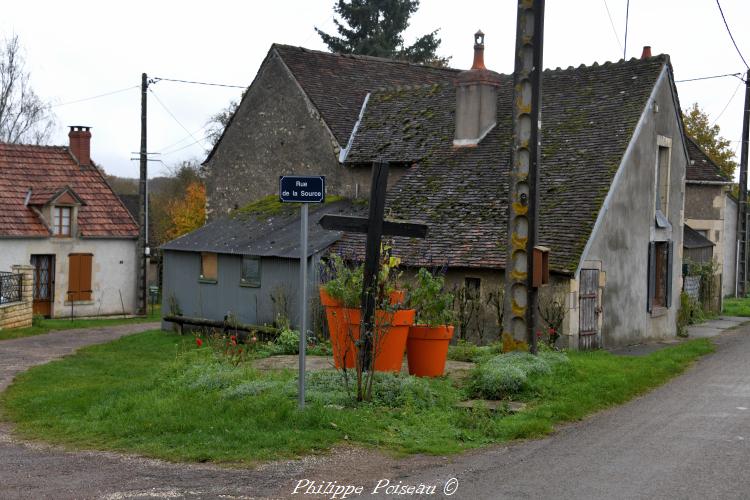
61,220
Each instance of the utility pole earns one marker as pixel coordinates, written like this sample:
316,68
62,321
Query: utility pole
742,244
141,284
520,295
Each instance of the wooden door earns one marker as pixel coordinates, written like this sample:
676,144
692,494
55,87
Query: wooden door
44,284
589,336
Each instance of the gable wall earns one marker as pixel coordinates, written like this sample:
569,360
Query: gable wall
621,241
274,132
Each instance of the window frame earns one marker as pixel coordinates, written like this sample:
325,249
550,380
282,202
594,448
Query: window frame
660,276
251,281
204,257
57,221
662,180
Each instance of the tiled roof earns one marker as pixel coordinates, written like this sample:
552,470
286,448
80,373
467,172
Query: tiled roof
337,83
266,235
589,115
693,239
701,167
47,170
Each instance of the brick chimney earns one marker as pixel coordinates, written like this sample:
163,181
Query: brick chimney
476,99
80,144
646,52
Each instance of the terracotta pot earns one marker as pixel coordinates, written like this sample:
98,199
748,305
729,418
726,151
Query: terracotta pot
427,349
392,332
343,349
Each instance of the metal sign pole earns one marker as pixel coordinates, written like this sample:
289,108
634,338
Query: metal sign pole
303,302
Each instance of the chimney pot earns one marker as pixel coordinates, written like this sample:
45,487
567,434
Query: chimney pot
646,52
80,144
476,99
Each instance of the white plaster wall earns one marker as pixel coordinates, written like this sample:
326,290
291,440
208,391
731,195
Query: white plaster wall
113,271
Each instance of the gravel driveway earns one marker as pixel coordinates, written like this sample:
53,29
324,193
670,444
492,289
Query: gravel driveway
687,439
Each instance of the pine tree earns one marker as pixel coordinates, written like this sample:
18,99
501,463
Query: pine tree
698,127
374,28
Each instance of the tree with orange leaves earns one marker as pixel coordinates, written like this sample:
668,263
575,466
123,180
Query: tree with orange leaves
188,213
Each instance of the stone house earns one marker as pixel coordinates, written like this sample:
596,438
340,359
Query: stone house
612,176
58,214
711,210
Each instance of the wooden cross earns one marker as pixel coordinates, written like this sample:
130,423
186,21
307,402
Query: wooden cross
376,227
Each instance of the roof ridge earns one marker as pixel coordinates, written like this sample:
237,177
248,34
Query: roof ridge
366,57
608,64
18,144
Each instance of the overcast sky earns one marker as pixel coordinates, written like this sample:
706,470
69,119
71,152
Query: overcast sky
79,49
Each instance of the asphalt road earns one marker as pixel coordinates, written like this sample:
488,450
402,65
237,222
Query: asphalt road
687,439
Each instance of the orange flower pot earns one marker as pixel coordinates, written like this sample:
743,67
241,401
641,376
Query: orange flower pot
392,332
341,344
427,349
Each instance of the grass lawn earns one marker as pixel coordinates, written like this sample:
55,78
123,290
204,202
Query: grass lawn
48,325
737,307
156,394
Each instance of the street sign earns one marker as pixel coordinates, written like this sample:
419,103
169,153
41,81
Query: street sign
302,189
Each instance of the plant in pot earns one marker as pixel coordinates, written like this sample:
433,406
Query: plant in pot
427,344
342,291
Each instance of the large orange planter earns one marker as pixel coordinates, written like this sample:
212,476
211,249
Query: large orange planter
392,332
427,349
343,348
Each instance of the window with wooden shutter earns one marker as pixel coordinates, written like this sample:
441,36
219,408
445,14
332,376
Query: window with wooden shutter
209,267
79,277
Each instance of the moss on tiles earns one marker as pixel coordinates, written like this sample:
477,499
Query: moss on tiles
270,205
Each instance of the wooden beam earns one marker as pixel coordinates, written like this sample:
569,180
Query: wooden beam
361,224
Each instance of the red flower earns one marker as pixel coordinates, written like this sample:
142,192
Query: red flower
199,342
551,331
255,339
233,339
539,334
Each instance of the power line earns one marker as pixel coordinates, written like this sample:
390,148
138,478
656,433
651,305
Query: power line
709,77
190,136
728,103
730,34
172,115
186,146
94,97
612,23
157,79
627,17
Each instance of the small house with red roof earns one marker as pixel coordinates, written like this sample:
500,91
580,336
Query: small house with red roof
58,214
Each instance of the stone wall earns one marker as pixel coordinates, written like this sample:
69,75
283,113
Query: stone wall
19,314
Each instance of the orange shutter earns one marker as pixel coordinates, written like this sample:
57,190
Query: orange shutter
84,283
74,276
79,277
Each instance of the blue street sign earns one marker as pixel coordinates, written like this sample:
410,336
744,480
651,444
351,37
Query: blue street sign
302,189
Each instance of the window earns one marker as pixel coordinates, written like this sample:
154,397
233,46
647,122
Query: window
473,288
661,205
61,217
250,271
79,277
209,266
659,275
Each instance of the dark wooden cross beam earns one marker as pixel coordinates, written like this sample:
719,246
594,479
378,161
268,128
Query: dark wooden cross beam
376,227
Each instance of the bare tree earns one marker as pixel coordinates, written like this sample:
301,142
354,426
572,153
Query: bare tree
24,117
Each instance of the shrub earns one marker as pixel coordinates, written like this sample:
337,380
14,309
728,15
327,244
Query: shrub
466,351
433,304
288,341
501,376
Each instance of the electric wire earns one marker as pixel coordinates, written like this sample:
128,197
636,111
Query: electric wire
172,115
186,146
709,77
157,79
728,103
730,34
627,17
190,136
612,23
94,97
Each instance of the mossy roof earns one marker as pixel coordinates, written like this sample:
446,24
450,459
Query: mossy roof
589,115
